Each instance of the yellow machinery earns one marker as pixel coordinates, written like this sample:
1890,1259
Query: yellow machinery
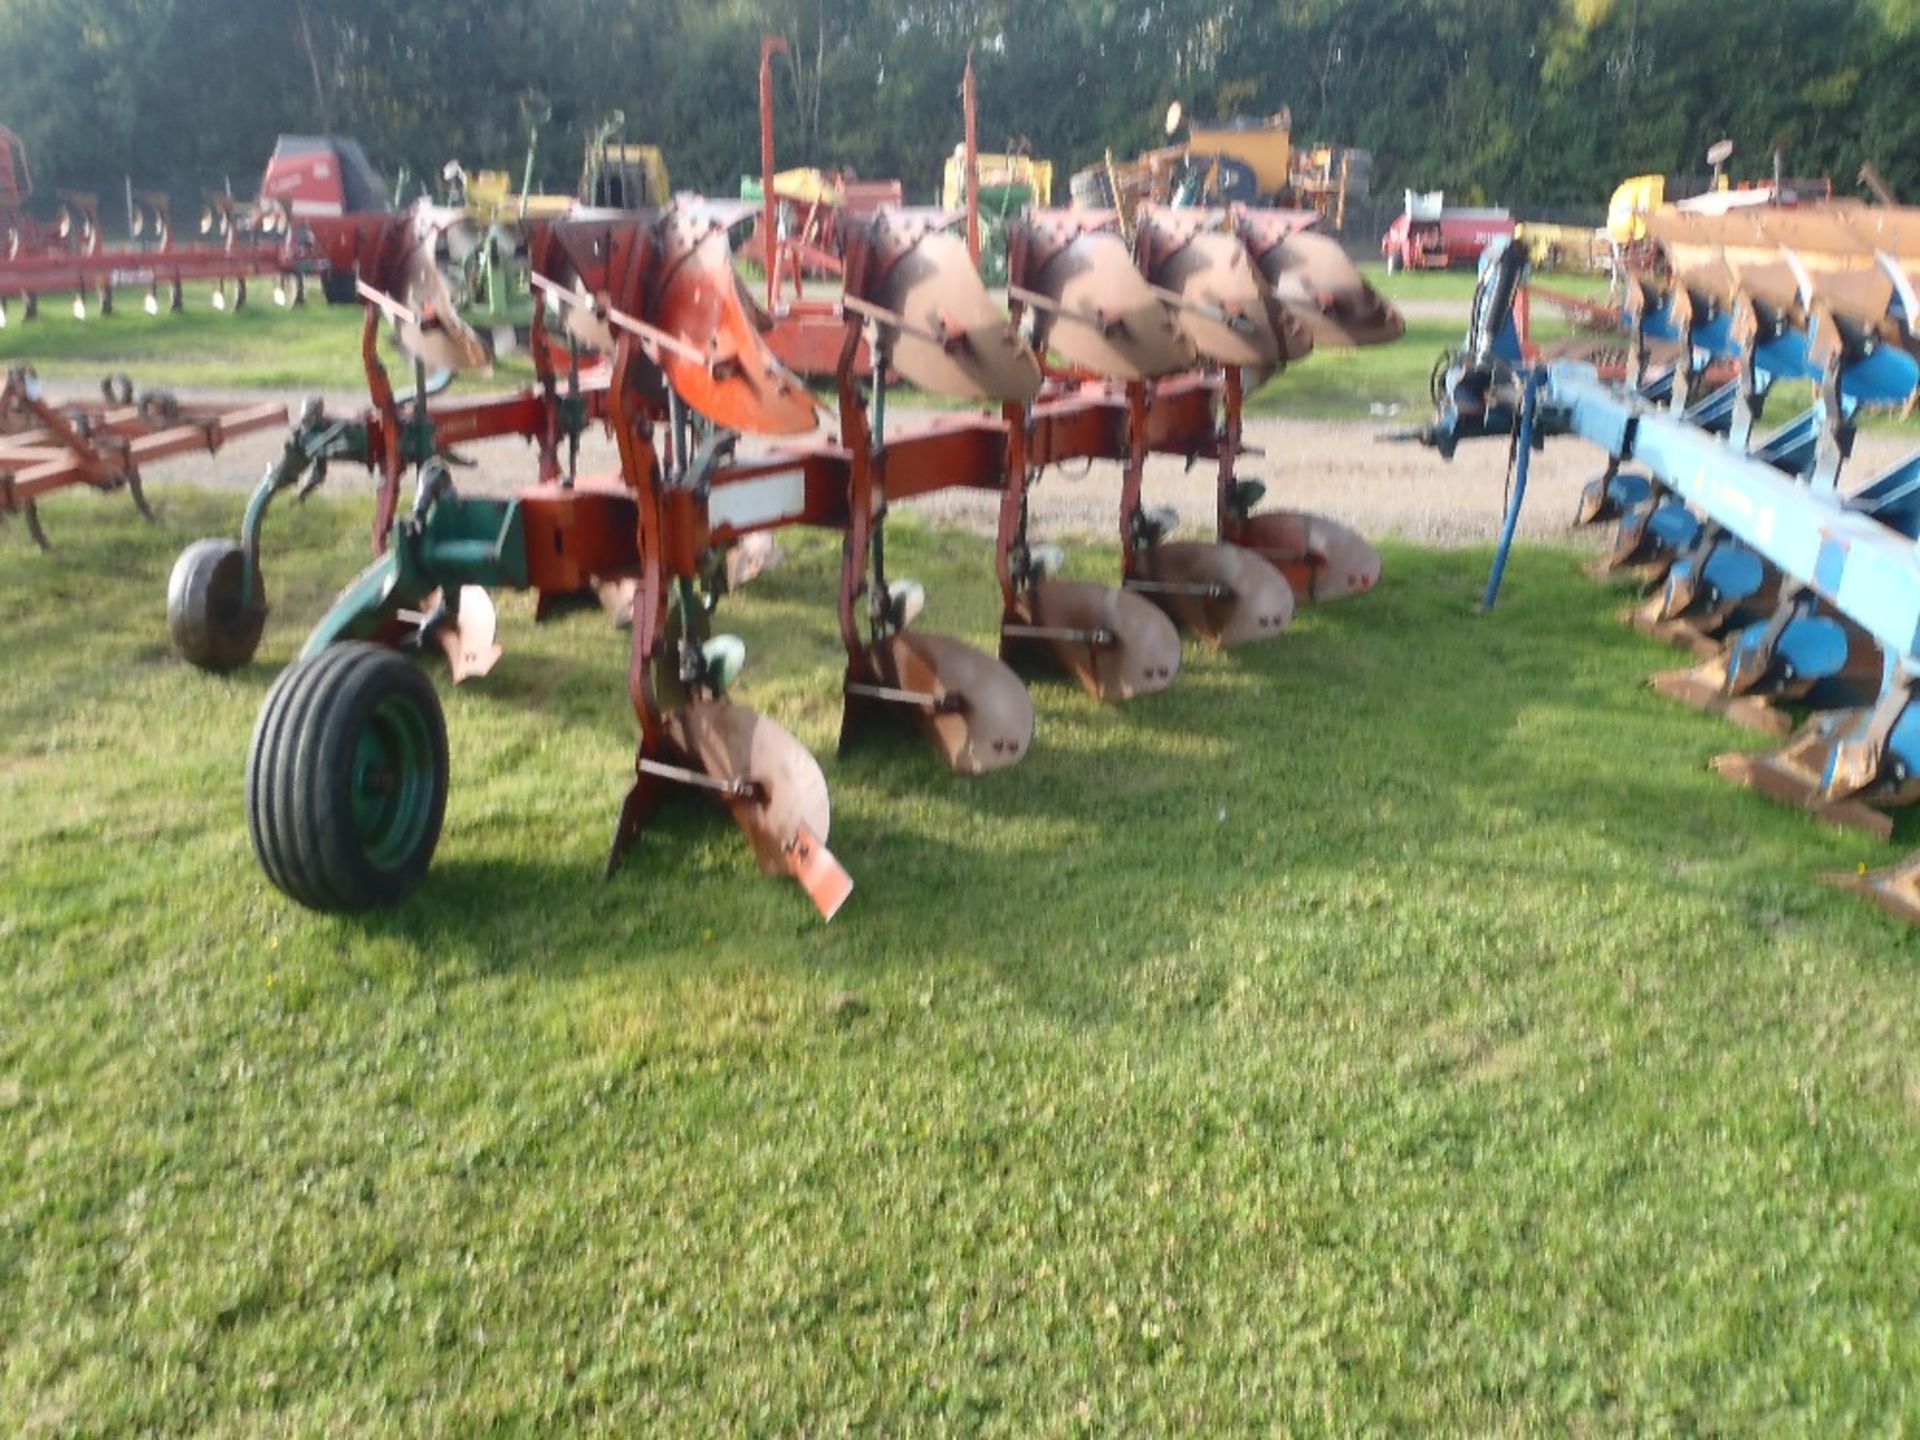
1250,160
1573,248
998,173
1264,146
490,196
618,175
1633,200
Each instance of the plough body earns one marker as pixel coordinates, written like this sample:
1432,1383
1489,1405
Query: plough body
1798,596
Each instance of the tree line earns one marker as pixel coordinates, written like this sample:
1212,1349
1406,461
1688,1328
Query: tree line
1545,102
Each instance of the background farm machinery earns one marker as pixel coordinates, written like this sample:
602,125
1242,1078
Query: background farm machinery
309,182
48,444
1797,589
1245,160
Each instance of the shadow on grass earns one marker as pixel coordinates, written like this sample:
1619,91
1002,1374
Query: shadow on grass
1391,752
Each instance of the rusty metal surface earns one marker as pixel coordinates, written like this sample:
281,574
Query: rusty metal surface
955,339
1224,594
1895,888
982,718
1697,686
1118,645
1792,775
1321,558
1101,316
1225,307
786,790
1313,278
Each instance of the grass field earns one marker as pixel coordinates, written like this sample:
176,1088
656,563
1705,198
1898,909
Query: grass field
315,346
1394,1028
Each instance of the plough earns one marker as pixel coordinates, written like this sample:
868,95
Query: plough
216,598
1798,593
1155,338
1160,345
47,445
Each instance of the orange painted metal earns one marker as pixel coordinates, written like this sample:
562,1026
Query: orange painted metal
738,383
578,533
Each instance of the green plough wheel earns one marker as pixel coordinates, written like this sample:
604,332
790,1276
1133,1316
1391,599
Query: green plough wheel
210,624
347,778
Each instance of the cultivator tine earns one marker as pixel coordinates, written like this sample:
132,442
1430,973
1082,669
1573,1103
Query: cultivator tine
769,783
975,710
138,492
1118,645
1092,306
30,512
1225,594
941,329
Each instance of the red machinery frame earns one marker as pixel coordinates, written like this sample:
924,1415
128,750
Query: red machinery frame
47,446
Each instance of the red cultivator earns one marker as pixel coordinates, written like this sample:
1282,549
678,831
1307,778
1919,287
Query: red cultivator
47,445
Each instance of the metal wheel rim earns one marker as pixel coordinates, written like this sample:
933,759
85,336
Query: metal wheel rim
393,782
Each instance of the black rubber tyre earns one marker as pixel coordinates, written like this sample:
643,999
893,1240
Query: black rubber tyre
347,778
210,626
340,287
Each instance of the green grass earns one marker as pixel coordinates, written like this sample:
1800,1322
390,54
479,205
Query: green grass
1394,1028
312,346
1455,285
1358,384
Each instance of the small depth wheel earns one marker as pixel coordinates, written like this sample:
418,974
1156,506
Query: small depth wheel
347,778
210,625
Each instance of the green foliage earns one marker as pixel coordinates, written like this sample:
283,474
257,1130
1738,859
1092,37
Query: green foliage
1502,99
1393,1029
